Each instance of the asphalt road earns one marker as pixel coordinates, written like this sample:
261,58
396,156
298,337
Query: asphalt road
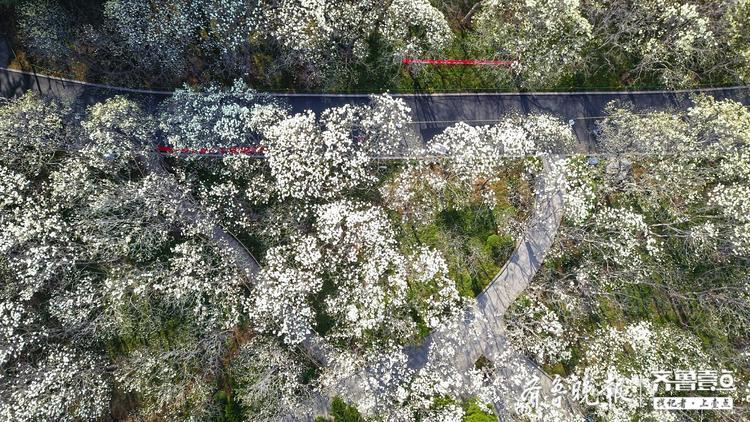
431,113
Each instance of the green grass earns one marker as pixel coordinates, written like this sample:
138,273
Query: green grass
477,412
470,242
475,238
342,412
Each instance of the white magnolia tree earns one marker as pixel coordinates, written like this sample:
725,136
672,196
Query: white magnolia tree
65,385
672,39
42,375
158,34
45,27
213,118
102,246
320,157
31,131
547,38
673,42
624,361
474,152
351,270
311,160
737,24
313,35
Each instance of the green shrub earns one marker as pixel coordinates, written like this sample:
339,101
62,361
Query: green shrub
342,412
476,412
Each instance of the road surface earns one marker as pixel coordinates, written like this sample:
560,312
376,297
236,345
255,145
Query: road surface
431,113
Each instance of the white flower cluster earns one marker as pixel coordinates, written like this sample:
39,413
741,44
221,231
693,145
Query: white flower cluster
580,197
373,287
166,384
428,268
125,220
417,193
721,127
547,37
44,27
378,381
34,240
737,27
710,129
160,33
315,161
538,331
696,168
668,37
16,332
659,132
204,281
416,28
704,238
219,200
268,378
120,132
31,129
234,24
214,117
478,151
384,126
75,308
387,283
391,390
674,41
12,188
65,386
733,202
285,285
628,237
306,31
309,27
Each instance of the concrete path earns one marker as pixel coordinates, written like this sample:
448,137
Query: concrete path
481,332
487,314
